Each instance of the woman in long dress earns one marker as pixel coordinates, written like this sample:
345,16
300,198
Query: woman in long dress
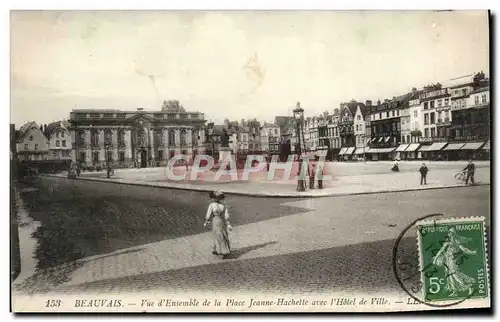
218,216
456,281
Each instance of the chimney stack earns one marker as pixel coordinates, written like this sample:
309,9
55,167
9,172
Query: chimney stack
368,103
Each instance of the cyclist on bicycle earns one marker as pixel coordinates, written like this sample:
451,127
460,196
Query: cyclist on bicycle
470,169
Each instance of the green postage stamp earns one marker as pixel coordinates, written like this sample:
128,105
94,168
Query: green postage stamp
453,259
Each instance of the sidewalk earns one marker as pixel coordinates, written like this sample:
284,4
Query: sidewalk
406,180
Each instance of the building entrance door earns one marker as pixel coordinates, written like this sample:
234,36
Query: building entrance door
144,160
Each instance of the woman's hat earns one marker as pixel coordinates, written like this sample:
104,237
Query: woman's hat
219,195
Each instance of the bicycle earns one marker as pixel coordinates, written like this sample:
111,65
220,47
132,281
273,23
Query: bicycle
461,176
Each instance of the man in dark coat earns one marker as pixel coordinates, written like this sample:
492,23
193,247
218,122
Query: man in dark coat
470,168
423,174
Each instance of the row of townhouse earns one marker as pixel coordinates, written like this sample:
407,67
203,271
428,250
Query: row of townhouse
436,122
45,142
246,136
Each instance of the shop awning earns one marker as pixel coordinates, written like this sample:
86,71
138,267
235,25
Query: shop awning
387,139
434,146
454,146
402,147
380,139
360,150
342,151
380,150
349,151
486,146
413,147
472,146
373,139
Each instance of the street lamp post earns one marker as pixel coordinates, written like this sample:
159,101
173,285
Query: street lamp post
298,114
108,169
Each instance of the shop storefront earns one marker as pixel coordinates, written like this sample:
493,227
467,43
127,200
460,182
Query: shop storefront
398,153
452,151
359,154
410,153
433,151
471,150
376,154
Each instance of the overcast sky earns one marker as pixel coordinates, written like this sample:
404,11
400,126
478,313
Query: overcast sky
233,64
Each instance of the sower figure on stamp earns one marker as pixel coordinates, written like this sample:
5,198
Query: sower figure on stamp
456,281
470,168
423,174
218,217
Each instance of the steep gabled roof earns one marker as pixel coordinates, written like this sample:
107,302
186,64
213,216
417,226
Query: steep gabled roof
26,128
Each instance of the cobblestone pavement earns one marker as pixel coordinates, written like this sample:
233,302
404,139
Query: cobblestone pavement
317,245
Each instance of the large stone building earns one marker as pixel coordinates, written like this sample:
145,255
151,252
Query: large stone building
136,138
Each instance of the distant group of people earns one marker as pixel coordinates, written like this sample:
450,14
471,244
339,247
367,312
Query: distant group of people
469,171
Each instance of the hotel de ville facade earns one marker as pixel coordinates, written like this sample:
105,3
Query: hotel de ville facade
136,138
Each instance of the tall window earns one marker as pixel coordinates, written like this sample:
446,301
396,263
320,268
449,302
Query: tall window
160,154
415,113
82,156
171,138
26,147
433,132
426,105
426,133
57,143
183,137
121,137
439,103
476,99
64,143
121,156
81,137
483,99
386,114
159,136
108,136
36,147
95,137
431,104
433,118
110,156
446,101
426,118
393,113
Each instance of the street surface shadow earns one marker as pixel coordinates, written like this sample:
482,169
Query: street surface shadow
237,253
365,267
83,218
45,280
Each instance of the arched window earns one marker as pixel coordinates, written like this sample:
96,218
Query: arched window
159,136
121,137
95,137
183,137
108,136
171,138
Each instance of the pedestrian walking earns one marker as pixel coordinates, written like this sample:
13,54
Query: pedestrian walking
218,217
320,170
312,174
470,169
423,174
